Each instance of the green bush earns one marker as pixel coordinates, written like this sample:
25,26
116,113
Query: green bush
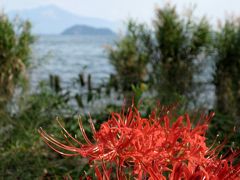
167,59
227,68
130,57
15,40
180,41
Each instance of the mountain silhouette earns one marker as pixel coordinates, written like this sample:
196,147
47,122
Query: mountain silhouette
54,20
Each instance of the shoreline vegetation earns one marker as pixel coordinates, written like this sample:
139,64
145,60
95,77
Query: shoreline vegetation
159,65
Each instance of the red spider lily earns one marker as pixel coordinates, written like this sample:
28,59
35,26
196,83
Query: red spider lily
148,148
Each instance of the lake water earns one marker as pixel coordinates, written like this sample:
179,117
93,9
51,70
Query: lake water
67,56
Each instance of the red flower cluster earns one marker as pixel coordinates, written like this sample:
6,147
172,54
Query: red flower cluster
149,148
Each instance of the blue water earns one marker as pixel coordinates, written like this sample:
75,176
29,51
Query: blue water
67,56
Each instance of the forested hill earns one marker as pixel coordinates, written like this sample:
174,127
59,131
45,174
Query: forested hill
87,30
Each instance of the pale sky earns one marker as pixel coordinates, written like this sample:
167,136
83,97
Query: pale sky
116,10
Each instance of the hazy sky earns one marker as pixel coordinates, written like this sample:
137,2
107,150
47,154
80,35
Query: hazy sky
142,10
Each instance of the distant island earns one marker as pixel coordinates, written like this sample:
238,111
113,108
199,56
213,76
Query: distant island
87,30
